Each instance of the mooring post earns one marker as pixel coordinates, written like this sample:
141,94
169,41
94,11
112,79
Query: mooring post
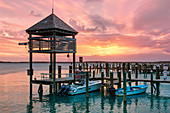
97,68
90,71
136,73
83,66
100,67
93,66
145,69
80,67
169,68
161,68
124,84
40,90
59,75
113,67
70,71
151,81
31,70
117,69
107,70
50,74
111,78
54,64
129,76
157,77
87,85
86,66
139,68
74,62
102,78
119,76
93,74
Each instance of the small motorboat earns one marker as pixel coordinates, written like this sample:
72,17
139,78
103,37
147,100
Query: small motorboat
79,88
132,90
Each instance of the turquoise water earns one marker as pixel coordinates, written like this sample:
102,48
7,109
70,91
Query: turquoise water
14,96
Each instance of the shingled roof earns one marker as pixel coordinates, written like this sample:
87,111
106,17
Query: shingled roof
51,24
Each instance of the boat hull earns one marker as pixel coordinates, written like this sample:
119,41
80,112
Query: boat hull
134,90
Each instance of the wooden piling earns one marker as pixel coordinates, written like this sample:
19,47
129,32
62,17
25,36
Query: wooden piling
151,81
86,66
113,67
80,67
97,68
157,77
50,74
100,67
31,70
74,64
136,73
107,70
93,74
54,73
119,77
59,75
87,85
129,76
111,78
124,84
40,90
90,71
140,68
83,66
102,79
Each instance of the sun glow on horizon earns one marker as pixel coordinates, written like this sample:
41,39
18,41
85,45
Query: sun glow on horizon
101,51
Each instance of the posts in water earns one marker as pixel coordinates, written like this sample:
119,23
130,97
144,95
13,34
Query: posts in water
90,71
157,77
102,78
107,70
93,74
119,77
151,81
87,85
50,76
59,75
111,78
124,84
129,76
136,72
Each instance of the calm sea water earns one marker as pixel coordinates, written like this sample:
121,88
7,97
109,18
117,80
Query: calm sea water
14,96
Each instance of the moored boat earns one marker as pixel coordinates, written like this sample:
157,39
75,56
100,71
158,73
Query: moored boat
79,88
132,90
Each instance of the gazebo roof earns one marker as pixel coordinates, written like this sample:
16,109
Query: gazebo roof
51,24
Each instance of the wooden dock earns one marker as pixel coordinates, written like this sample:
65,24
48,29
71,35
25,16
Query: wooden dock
64,80
149,80
115,80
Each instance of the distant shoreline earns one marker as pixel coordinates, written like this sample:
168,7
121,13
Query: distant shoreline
92,62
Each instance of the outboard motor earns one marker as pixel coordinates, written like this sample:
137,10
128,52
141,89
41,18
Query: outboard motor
112,91
61,90
66,90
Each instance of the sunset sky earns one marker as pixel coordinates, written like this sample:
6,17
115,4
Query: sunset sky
109,30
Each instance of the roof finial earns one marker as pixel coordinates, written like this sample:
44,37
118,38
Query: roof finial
52,6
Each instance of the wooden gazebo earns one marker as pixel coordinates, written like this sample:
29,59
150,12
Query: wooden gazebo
50,35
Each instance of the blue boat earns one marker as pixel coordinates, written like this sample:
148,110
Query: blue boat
132,90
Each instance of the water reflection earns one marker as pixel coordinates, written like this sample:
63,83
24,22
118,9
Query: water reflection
97,102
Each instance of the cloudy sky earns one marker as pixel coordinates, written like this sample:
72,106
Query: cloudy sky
109,30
